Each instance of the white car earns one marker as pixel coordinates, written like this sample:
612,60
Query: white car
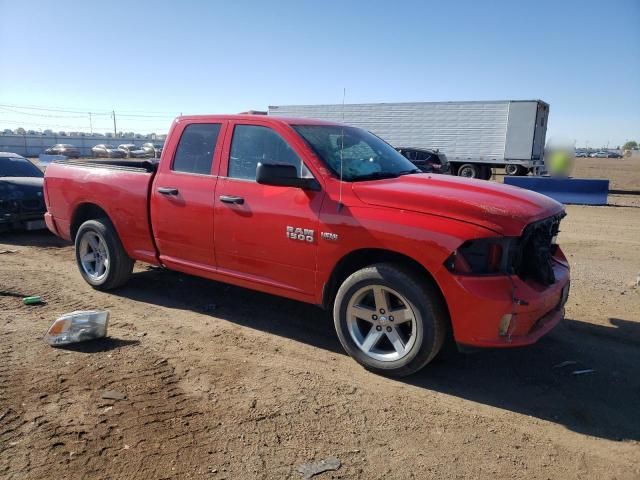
132,151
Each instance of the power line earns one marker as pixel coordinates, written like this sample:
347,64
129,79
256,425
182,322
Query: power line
14,113
125,113
32,107
12,110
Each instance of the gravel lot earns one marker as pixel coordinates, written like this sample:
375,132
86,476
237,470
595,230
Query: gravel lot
222,382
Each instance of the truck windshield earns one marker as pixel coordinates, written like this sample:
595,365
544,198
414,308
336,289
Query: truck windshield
363,155
18,167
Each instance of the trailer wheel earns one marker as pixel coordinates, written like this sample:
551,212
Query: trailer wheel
511,169
515,170
469,170
389,320
485,172
102,261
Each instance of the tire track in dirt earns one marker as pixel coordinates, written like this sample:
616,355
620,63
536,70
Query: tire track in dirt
56,405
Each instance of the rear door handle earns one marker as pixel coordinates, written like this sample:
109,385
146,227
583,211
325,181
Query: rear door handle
168,190
231,199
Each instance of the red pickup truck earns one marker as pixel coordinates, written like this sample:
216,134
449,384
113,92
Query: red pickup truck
327,214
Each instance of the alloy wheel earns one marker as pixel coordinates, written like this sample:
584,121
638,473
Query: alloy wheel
382,323
94,255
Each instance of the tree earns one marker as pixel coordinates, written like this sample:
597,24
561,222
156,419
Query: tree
630,145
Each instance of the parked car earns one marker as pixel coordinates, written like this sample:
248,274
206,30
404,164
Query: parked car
132,151
581,155
108,151
63,149
21,199
330,215
599,155
427,160
152,149
614,155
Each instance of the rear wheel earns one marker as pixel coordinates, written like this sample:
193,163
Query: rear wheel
469,170
485,172
515,170
389,320
101,259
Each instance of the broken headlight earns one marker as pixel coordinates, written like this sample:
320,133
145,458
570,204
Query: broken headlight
78,327
484,256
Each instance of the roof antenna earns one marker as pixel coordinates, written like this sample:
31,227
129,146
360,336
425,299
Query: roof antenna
344,94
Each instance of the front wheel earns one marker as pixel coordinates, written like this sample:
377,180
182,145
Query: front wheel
102,261
389,320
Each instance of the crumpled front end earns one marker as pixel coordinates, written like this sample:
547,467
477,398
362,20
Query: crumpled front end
21,206
517,297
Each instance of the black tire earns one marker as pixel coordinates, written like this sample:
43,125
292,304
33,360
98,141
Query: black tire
511,169
516,170
120,265
485,172
469,170
429,320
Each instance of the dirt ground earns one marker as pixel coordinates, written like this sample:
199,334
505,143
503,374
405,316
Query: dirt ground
222,382
623,173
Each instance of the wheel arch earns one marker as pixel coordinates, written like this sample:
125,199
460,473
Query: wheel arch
361,258
82,213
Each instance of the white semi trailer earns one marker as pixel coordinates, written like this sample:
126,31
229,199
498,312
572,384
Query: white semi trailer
475,136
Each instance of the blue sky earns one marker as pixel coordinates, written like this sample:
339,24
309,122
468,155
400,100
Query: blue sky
163,58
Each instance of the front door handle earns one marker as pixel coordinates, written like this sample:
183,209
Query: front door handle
231,199
168,190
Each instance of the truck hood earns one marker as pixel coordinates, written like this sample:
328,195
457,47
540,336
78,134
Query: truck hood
502,208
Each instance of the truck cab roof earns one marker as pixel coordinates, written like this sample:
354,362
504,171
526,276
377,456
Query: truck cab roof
265,119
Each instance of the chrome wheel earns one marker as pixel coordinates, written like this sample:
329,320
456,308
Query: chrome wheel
382,323
511,169
94,255
468,171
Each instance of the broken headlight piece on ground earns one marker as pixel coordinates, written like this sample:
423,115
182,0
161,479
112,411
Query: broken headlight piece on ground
78,326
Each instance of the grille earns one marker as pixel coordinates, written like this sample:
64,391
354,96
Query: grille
32,204
535,252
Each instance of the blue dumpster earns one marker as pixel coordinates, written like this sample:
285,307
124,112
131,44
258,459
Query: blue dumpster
577,191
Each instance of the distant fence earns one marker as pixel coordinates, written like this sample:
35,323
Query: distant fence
33,145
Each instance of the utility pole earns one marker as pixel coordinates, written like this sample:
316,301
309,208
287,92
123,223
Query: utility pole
115,132
90,124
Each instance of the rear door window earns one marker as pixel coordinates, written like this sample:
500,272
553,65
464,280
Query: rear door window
196,147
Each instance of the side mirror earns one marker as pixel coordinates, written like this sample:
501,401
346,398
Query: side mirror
283,175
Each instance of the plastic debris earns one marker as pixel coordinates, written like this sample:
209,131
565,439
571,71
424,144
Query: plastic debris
8,251
565,364
583,372
113,395
78,326
309,470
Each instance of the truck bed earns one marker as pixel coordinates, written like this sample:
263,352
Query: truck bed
119,187
130,163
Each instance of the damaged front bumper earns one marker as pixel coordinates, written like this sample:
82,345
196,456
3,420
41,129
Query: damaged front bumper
504,310
21,221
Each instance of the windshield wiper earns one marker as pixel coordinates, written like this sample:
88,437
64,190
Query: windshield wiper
410,172
375,176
